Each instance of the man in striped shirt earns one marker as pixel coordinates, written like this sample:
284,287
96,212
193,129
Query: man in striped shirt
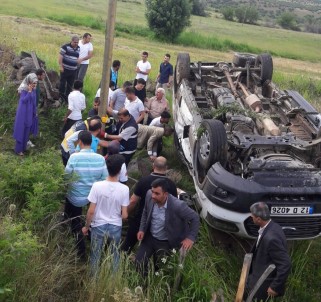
68,61
83,169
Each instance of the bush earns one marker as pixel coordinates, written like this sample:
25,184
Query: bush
168,18
288,21
228,13
246,14
198,8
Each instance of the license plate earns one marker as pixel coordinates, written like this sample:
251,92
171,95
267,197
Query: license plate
291,210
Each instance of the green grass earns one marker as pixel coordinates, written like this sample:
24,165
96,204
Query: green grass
212,32
54,271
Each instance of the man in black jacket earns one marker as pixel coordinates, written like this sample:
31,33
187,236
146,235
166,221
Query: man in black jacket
167,223
137,200
269,248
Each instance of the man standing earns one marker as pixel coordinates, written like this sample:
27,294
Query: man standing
83,169
151,137
166,223
86,52
108,206
156,105
143,68
269,248
138,197
134,105
165,75
140,92
68,60
127,135
76,104
114,72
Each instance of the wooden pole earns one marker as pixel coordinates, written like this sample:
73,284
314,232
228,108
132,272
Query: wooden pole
244,274
108,55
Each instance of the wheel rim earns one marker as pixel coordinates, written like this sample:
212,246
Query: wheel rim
205,145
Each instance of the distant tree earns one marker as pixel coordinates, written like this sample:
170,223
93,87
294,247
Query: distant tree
198,8
168,18
228,13
240,13
246,14
252,15
288,21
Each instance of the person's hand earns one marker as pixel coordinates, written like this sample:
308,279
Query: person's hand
61,68
152,158
169,85
30,87
147,110
65,119
140,235
79,60
271,292
187,244
85,231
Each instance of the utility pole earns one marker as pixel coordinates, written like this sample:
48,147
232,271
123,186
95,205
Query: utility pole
108,55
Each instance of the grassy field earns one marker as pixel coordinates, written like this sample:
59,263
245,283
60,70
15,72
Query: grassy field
284,43
35,232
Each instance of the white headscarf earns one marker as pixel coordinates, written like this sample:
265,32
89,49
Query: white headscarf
29,79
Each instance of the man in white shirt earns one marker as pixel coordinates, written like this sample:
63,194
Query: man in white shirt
109,200
76,104
86,52
134,105
143,68
161,120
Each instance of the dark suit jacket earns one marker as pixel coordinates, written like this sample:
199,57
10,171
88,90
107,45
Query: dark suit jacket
271,249
181,222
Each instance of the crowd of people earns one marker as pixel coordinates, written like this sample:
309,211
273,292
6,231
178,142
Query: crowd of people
96,158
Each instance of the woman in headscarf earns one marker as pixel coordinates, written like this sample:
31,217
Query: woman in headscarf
26,121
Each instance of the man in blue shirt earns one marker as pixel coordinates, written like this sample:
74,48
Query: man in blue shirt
82,170
165,75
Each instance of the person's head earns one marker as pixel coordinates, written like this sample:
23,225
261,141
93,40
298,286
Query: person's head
165,117
74,41
260,213
112,85
144,56
140,84
160,191
94,126
168,130
78,85
113,147
160,165
126,84
130,93
167,58
114,163
40,73
96,103
160,93
32,80
116,65
85,139
86,38
123,115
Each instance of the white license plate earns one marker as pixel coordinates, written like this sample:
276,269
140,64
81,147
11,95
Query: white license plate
291,210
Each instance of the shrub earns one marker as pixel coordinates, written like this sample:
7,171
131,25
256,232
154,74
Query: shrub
228,13
168,18
198,8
